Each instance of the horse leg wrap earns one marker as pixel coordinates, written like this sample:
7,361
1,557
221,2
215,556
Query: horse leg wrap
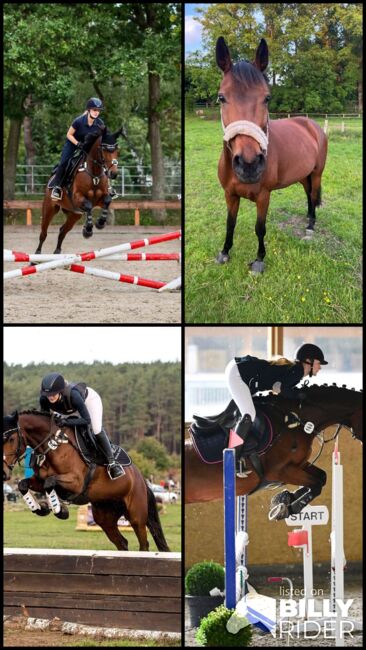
32,504
54,502
302,497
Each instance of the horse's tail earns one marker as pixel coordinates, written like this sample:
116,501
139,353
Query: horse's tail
153,522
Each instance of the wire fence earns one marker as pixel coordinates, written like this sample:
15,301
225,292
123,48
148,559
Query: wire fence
130,182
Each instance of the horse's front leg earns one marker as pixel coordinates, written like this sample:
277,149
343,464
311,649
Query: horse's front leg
102,219
232,203
262,203
50,485
311,479
88,225
24,487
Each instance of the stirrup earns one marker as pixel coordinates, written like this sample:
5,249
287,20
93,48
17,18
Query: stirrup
110,467
242,472
56,198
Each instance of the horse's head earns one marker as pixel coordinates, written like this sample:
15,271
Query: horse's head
110,152
12,443
244,96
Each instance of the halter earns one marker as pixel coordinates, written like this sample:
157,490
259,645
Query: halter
246,128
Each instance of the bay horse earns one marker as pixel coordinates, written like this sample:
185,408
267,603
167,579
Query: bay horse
65,475
285,456
89,187
260,155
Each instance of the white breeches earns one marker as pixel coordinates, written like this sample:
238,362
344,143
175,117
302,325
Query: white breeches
95,407
239,390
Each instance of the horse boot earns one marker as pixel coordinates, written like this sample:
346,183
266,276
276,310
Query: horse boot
241,429
56,183
114,469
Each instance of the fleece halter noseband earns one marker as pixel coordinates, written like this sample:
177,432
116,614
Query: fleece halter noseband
246,128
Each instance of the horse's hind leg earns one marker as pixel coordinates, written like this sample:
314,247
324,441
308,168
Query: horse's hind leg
71,219
49,209
137,516
106,516
312,187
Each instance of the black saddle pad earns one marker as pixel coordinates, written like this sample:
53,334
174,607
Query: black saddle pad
210,436
90,452
72,164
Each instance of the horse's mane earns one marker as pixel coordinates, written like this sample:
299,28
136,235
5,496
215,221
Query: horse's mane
35,412
312,390
92,137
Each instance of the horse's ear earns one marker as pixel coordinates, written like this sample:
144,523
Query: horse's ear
223,58
118,133
261,56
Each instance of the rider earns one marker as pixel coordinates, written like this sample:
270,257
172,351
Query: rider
75,137
66,398
247,375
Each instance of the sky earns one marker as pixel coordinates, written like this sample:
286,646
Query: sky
24,345
192,29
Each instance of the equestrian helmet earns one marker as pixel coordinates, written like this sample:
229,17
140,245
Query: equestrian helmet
95,102
52,384
310,351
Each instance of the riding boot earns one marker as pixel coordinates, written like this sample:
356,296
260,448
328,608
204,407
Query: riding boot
243,425
241,429
57,181
115,470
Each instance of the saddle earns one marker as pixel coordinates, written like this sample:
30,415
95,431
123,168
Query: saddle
88,448
210,435
70,170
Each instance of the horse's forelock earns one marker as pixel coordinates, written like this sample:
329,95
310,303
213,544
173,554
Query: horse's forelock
247,74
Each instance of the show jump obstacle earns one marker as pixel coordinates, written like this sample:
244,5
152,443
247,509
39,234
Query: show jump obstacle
302,538
258,609
114,589
71,262
239,594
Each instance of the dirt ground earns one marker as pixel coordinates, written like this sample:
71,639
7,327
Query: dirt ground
62,296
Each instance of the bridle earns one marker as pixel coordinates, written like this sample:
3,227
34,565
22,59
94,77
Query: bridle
245,127
16,454
101,163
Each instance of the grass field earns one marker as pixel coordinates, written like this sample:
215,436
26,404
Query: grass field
22,529
316,281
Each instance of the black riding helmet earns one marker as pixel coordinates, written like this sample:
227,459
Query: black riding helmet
52,384
95,102
310,351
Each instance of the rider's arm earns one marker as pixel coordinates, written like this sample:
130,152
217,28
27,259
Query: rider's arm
70,135
79,405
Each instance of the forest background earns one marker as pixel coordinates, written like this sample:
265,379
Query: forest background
141,405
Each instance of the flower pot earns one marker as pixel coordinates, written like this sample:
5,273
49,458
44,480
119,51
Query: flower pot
200,606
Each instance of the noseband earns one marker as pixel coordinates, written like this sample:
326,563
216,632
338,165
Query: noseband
247,128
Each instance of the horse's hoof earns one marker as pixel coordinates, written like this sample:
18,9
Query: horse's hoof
100,224
43,512
280,511
87,233
309,232
285,497
222,258
257,266
63,514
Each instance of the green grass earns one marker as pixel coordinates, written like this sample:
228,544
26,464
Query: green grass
317,281
24,529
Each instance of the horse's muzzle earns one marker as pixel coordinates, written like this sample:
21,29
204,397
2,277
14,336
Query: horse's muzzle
249,172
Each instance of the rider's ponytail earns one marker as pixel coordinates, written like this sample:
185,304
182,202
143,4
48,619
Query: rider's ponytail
282,362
